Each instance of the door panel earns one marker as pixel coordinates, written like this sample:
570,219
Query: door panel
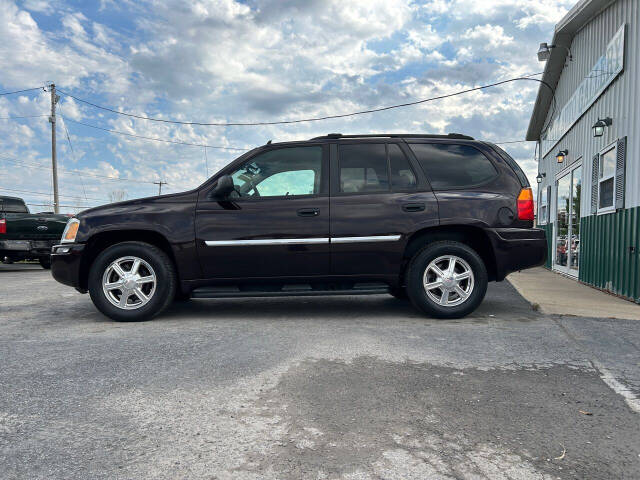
381,218
275,223
369,223
263,238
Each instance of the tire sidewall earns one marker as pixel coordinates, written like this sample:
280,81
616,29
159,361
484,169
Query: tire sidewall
165,281
415,274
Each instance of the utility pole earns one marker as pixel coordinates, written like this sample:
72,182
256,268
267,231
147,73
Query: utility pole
54,159
160,183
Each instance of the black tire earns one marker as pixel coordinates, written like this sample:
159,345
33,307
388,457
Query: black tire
165,287
416,272
399,292
45,262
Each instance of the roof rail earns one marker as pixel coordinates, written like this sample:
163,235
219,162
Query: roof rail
457,136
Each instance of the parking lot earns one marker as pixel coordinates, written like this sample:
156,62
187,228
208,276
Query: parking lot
319,388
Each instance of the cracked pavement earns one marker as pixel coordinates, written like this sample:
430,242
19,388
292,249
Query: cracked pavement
318,388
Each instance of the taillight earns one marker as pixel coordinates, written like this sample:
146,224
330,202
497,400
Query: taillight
525,204
3,225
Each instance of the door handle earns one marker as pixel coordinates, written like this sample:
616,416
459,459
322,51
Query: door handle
308,212
413,207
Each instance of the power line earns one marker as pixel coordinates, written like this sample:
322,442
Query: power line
46,194
177,142
73,153
80,172
61,206
313,119
511,141
23,116
20,91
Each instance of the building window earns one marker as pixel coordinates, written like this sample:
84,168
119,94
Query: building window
543,205
607,179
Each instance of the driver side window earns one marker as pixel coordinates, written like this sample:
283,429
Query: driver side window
281,172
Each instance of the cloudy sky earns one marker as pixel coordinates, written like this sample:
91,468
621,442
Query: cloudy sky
249,61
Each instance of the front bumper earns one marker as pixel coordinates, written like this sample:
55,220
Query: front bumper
66,260
517,249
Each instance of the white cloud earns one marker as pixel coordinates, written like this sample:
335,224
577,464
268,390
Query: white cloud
261,60
489,36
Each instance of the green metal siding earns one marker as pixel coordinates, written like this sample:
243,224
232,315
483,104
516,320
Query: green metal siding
548,230
606,259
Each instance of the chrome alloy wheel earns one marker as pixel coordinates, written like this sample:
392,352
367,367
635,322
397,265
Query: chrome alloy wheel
448,280
129,283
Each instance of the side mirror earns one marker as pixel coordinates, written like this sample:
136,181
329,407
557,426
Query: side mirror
223,188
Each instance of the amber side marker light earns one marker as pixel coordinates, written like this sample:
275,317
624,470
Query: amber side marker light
525,204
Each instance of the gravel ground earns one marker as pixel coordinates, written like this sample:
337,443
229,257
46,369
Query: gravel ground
317,388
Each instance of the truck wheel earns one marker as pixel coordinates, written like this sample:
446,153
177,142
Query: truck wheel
447,279
132,281
45,262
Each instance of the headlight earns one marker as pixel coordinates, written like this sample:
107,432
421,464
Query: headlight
70,231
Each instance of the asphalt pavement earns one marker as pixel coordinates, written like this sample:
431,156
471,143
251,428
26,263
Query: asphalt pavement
312,388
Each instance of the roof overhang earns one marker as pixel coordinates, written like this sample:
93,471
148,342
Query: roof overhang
583,12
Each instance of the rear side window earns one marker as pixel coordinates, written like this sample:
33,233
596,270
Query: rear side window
513,164
453,166
363,168
402,176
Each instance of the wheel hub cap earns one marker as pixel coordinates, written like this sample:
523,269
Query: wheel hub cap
448,280
129,283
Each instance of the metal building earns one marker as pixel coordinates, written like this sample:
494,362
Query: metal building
586,121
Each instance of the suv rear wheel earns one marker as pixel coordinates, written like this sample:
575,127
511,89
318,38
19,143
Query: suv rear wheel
132,281
447,279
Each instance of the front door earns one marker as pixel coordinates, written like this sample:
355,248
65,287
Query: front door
567,225
378,196
276,223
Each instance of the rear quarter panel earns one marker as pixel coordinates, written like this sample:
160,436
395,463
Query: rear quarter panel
481,205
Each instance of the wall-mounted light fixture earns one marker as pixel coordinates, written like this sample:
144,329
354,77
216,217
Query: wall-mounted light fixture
540,177
600,125
561,155
544,51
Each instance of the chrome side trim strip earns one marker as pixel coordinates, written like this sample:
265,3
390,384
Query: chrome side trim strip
301,241
372,238
267,241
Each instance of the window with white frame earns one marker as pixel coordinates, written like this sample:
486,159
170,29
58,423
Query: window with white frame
607,179
542,205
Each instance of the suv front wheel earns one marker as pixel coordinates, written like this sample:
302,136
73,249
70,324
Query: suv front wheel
447,279
132,281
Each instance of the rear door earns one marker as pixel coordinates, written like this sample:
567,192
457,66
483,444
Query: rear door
277,222
378,198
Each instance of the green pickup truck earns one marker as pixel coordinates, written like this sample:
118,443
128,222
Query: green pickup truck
27,236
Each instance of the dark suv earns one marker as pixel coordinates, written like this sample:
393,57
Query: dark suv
428,217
